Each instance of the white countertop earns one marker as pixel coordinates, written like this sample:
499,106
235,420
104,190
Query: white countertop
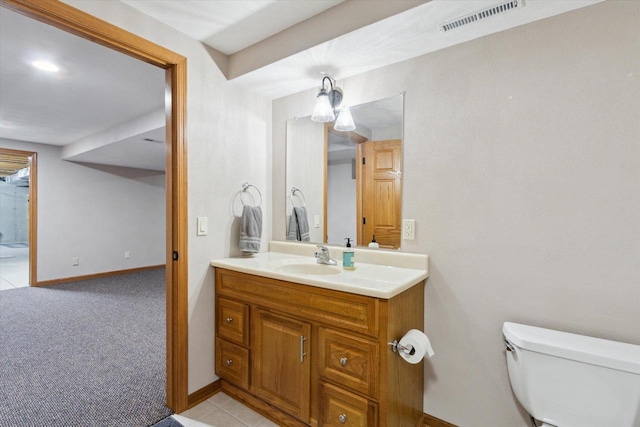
381,280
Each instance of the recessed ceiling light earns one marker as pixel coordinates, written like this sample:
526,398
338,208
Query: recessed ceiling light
45,66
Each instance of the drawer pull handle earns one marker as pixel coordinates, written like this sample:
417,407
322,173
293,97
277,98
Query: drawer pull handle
228,362
343,361
302,353
343,418
229,319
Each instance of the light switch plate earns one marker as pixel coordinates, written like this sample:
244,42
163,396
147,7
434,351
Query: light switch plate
316,221
202,226
408,229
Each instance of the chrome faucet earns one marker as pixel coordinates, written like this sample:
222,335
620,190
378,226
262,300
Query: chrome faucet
323,256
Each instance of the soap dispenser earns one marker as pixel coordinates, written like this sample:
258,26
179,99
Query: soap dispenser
347,256
373,243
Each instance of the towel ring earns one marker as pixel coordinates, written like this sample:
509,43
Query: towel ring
245,190
302,199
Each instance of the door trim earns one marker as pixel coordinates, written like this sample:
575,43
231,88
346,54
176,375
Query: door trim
33,209
74,21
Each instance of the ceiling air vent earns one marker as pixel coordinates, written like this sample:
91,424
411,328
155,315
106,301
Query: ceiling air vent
481,14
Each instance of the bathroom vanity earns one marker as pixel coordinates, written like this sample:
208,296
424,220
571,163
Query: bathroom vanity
307,346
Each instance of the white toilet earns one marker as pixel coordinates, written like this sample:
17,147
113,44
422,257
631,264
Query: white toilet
568,380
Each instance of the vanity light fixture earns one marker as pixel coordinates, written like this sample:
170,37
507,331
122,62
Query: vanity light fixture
326,109
344,122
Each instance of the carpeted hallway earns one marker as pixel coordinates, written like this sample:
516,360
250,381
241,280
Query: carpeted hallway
89,353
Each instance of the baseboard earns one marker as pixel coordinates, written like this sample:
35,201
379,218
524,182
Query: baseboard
431,421
204,393
96,275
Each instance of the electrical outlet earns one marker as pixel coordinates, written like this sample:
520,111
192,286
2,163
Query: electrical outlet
75,261
127,255
408,229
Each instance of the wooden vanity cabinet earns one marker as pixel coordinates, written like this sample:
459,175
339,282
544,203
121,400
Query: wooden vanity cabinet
307,356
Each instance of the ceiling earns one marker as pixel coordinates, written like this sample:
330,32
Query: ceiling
101,102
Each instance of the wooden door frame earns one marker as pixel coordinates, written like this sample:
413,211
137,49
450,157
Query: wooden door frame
69,19
33,208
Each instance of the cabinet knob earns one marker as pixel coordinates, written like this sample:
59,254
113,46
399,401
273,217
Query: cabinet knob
228,362
343,418
229,319
343,361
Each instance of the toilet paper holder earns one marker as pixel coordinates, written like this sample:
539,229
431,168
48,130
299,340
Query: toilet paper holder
396,346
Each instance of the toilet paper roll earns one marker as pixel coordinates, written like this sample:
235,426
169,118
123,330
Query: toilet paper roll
419,342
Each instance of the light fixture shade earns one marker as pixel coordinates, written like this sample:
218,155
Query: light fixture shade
344,123
323,112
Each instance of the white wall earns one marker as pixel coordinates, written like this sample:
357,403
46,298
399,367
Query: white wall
95,213
228,138
305,171
385,134
341,207
522,170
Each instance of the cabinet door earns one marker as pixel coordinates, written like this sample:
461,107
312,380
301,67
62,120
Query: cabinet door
281,362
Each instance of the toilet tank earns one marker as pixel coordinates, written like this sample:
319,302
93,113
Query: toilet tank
570,380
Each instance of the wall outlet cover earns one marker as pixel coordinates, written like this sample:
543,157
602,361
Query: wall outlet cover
409,229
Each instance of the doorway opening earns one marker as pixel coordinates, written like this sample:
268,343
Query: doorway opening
74,21
18,171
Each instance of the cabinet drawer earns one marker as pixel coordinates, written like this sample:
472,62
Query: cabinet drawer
350,361
232,321
232,363
353,312
340,408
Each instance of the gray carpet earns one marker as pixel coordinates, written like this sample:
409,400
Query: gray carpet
88,353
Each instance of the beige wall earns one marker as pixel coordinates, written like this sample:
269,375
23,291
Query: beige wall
522,170
228,142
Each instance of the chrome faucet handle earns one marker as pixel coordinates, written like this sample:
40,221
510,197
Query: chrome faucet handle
324,257
324,249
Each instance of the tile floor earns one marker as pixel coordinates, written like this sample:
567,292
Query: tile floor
221,410
14,268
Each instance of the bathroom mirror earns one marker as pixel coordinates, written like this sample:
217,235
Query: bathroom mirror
346,184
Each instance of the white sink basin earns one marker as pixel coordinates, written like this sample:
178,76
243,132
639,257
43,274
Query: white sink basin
312,269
